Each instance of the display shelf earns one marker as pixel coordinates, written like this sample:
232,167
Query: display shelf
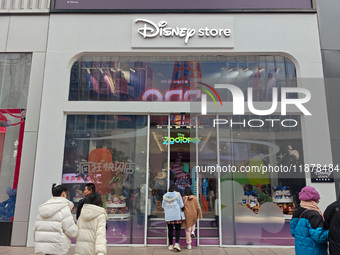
282,200
288,217
118,216
115,205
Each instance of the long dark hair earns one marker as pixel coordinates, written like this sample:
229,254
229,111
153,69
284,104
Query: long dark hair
173,187
94,199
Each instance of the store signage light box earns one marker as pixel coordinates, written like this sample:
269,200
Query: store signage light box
178,5
211,32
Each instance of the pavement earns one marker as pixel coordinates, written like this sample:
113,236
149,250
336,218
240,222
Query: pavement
162,250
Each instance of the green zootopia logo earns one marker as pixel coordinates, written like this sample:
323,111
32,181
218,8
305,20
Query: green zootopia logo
180,139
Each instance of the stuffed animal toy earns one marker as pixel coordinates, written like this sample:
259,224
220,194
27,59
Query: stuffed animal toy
277,192
7,207
286,192
160,181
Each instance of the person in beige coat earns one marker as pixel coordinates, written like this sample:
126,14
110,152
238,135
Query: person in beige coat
91,239
192,211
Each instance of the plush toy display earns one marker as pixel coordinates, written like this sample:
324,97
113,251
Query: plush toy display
277,194
7,207
286,192
283,198
160,181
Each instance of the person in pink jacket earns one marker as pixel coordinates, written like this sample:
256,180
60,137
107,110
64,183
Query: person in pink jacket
192,211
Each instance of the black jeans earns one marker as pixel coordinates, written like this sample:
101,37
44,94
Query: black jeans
171,232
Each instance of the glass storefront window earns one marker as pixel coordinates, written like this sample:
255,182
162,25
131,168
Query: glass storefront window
257,205
176,78
110,151
15,71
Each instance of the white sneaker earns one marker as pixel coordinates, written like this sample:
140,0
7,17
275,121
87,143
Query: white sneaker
171,248
193,234
176,247
189,247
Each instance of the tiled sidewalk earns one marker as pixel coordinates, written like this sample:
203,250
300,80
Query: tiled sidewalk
163,250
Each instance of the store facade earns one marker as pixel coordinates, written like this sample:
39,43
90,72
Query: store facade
128,108
22,59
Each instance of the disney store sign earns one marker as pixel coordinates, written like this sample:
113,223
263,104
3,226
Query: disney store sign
151,29
173,34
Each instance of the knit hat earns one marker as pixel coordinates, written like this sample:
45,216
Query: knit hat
309,193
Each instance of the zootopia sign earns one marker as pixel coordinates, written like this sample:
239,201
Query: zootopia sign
180,139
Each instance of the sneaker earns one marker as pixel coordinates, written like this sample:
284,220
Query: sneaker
171,248
176,247
189,247
193,234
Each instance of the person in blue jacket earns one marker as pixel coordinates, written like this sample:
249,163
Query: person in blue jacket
172,204
307,225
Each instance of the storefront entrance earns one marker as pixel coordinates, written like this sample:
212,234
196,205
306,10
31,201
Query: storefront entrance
133,159
175,146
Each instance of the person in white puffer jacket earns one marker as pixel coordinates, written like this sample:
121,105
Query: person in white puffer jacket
55,225
91,239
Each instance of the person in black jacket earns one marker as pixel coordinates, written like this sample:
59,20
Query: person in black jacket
332,219
90,188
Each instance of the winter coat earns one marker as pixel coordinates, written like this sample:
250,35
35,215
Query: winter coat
192,210
91,239
332,219
172,204
310,236
54,226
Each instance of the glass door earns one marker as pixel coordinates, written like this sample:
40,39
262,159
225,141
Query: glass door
182,148
207,181
159,177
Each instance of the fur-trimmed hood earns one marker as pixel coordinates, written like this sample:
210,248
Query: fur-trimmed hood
171,196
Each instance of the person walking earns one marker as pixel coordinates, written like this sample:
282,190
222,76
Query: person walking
172,204
54,225
192,211
307,225
90,188
91,239
332,219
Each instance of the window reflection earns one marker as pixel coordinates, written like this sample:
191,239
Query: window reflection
110,151
177,79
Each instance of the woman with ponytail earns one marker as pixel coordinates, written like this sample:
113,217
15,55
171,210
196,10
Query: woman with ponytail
55,225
